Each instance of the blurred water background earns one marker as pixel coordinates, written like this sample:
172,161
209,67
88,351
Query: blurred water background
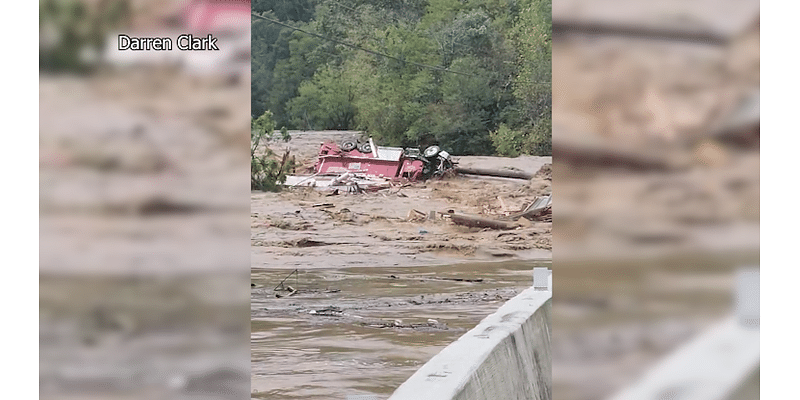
143,201
656,149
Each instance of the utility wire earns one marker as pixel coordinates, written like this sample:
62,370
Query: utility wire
360,48
343,6
371,51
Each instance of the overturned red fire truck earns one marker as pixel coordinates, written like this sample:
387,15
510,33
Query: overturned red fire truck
365,158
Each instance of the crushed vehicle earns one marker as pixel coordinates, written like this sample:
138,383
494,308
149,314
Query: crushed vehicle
365,158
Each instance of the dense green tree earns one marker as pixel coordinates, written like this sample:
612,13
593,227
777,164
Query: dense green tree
325,102
470,75
286,10
290,72
530,132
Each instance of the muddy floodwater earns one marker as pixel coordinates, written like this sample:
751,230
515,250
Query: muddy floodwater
359,331
364,331
614,320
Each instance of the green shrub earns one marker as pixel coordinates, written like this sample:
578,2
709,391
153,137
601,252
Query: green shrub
71,30
536,140
267,173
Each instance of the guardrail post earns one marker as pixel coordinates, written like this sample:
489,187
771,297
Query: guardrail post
542,279
748,297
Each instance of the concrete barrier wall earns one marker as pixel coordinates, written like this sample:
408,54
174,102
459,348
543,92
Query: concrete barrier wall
750,389
721,364
507,356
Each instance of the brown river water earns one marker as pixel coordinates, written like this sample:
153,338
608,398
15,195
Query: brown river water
364,331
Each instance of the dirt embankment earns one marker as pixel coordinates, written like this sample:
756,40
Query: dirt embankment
310,228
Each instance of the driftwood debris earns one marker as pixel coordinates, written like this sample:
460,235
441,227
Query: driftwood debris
539,209
742,126
584,151
480,222
416,215
296,274
477,280
438,278
503,206
501,173
300,180
330,311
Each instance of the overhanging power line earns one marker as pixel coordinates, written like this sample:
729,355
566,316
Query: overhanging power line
356,47
352,46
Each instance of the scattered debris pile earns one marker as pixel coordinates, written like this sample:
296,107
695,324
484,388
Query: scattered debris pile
540,209
357,166
353,217
347,182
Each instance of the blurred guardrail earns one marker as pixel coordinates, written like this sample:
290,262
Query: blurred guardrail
506,356
722,364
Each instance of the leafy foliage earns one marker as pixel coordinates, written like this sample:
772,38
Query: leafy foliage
324,102
532,35
266,172
470,75
71,31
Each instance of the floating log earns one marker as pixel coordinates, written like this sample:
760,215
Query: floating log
502,173
584,149
480,222
415,215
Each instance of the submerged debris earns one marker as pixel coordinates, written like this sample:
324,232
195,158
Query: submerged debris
480,222
430,325
329,311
